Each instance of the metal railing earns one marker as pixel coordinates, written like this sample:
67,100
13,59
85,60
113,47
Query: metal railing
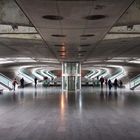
135,82
118,74
23,73
5,81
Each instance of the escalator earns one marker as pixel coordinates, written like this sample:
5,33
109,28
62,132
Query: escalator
5,82
135,82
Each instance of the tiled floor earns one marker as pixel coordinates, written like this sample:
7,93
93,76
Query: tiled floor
49,114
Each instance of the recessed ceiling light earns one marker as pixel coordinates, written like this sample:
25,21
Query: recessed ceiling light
87,35
61,51
52,17
95,17
58,35
84,45
59,45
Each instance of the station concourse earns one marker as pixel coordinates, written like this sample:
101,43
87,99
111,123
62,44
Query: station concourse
69,69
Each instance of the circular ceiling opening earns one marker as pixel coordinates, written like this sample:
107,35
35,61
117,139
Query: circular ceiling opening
59,45
61,51
87,35
95,17
58,35
52,17
84,45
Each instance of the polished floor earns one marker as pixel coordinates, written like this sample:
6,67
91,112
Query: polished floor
49,114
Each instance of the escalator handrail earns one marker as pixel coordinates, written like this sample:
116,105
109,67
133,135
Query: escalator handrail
134,82
5,77
10,88
134,78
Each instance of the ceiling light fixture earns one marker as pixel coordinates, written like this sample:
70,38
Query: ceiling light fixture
52,17
84,45
58,35
59,45
95,17
87,35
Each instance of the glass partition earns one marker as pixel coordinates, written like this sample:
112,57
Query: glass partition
71,76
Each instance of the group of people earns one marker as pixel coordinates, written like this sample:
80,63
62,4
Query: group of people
14,83
22,83
108,83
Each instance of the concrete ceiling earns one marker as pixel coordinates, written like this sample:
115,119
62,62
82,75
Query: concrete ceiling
23,48
73,23
79,17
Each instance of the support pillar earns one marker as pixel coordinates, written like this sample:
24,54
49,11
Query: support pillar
71,76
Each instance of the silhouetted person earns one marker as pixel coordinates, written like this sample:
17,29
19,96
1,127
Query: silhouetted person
35,81
22,83
115,83
109,84
14,83
102,81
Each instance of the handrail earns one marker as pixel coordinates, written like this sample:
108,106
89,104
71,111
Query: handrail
135,82
102,73
5,81
135,77
90,73
93,73
52,74
45,74
36,73
5,77
97,74
25,75
117,74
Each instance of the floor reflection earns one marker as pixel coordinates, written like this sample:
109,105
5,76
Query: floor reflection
35,93
22,94
108,95
52,114
82,99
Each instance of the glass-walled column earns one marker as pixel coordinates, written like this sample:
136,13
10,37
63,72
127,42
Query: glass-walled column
71,76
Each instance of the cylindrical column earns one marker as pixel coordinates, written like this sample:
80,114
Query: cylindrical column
71,76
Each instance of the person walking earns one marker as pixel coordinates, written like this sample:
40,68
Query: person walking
14,83
22,83
109,84
102,82
35,81
115,84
